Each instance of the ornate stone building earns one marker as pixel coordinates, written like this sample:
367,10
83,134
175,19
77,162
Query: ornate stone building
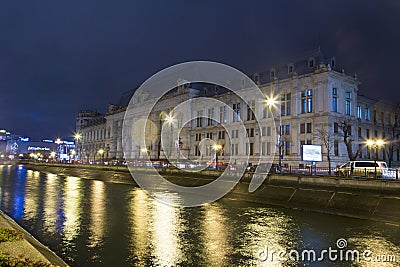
312,93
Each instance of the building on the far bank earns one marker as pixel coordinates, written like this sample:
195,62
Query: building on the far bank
13,146
313,93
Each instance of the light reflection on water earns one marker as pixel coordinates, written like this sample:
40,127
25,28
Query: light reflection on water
95,223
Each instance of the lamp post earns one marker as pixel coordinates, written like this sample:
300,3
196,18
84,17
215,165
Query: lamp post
217,148
272,102
170,120
77,138
375,144
101,152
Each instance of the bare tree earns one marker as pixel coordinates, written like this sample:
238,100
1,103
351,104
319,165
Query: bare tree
391,140
345,127
326,138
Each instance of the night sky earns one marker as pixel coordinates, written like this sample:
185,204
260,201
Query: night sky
57,57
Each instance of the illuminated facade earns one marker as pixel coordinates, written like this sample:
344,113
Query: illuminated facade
311,93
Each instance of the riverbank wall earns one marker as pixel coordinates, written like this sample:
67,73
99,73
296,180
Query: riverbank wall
373,199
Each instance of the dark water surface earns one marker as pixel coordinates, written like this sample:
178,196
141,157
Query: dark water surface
94,223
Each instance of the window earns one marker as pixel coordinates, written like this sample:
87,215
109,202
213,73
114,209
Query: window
287,148
256,78
251,151
269,131
236,112
336,148
290,68
210,119
198,137
263,148
221,135
359,132
199,119
272,73
311,62
250,108
263,131
250,132
302,128
222,114
335,127
306,101
367,114
367,133
348,103
287,130
309,127
359,112
333,62
334,100
268,148
286,104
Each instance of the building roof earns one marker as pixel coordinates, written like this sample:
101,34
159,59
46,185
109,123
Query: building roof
300,65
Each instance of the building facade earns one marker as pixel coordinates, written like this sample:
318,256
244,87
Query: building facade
311,94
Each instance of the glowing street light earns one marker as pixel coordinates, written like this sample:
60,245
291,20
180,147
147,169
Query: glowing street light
169,119
217,148
77,136
272,102
375,143
101,152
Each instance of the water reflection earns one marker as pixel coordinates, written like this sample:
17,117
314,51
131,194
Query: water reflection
216,235
72,207
140,218
97,213
380,247
32,196
95,223
51,219
165,231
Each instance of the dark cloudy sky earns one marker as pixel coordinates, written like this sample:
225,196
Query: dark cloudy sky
57,57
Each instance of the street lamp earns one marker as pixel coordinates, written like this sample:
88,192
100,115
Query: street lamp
272,103
375,143
217,148
101,152
170,120
77,137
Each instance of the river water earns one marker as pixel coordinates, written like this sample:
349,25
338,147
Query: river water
95,223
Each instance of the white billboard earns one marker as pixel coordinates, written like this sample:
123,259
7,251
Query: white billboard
311,153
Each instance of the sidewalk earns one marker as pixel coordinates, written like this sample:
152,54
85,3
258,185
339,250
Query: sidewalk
26,247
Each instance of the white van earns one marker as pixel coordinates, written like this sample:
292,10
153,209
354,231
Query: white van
362,168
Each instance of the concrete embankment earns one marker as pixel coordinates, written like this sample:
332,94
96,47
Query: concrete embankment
375,199
27,247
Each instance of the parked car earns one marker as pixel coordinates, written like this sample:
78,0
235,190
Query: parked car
362,168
